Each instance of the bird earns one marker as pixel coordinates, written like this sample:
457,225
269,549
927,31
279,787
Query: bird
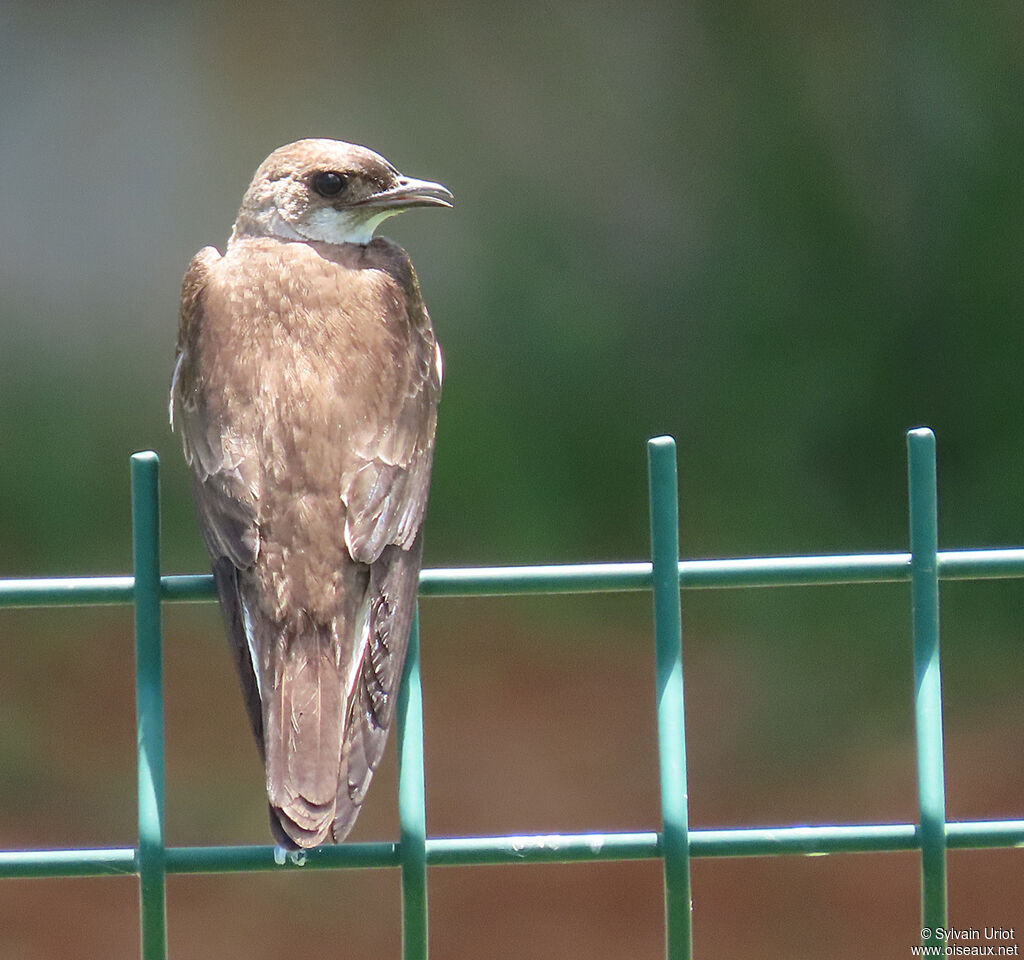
305,390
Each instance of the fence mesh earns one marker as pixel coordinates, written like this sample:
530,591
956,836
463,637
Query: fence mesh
922,567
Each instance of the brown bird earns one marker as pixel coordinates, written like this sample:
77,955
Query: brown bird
306,381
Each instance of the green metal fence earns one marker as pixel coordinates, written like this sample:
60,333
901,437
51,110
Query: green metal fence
923,566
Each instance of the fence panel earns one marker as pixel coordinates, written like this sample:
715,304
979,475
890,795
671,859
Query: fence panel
675,843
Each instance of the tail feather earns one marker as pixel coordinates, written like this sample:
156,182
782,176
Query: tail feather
288,834
304,709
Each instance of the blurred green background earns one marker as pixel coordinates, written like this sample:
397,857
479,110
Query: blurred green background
783,233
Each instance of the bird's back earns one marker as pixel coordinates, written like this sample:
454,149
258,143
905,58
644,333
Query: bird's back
308,385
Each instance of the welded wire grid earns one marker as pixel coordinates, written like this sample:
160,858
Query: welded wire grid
674,843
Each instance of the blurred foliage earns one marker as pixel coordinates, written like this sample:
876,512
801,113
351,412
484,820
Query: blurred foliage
784,234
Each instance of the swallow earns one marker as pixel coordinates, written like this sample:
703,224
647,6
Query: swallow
306,385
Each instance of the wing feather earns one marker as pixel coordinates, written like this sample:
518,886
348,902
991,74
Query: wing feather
394,581
223,481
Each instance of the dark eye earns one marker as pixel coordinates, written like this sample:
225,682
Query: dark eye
329,183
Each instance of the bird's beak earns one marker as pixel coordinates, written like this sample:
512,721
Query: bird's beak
409,192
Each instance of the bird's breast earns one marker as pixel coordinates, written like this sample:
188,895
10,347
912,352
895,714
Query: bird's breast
312,362
307,340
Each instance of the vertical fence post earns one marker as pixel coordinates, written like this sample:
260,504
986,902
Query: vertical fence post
412,813
924,576
664,514
149,704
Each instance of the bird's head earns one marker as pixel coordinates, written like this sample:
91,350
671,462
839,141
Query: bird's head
329,191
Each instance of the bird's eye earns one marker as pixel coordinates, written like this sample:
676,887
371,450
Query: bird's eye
329,183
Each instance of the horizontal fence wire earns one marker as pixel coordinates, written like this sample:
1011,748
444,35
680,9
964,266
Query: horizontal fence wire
547,848
675,844
996,564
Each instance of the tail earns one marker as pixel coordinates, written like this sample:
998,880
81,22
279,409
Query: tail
305,695
328,695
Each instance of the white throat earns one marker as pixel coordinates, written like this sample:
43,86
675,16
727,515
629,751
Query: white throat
324,225
342,226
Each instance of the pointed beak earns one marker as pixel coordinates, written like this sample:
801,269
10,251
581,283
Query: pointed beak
409,192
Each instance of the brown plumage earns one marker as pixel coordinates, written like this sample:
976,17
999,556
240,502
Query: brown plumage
306,384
